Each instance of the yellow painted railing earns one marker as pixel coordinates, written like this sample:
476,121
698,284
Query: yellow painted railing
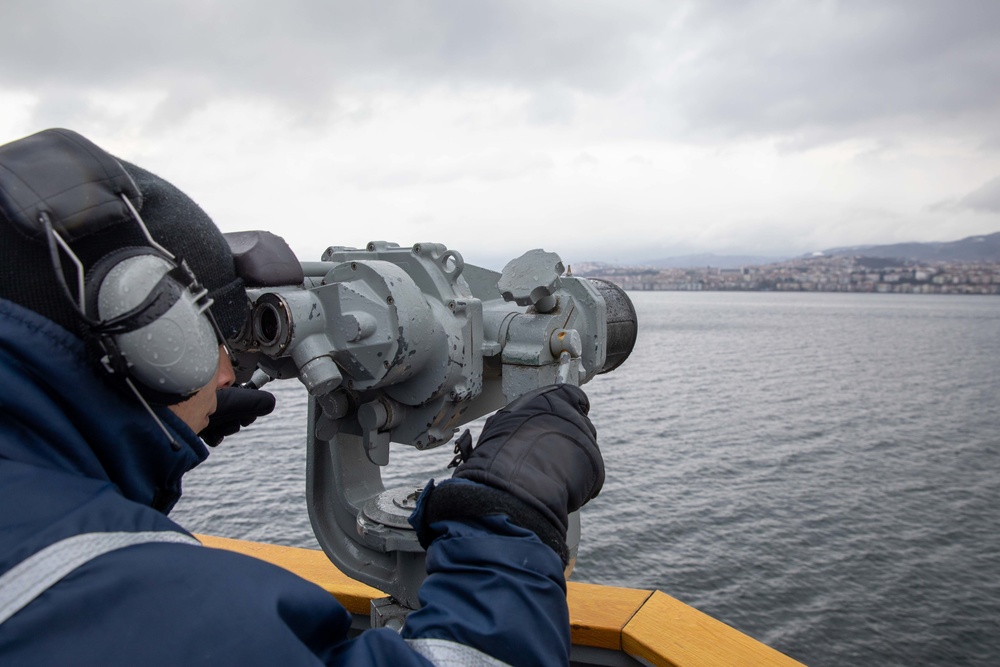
649,625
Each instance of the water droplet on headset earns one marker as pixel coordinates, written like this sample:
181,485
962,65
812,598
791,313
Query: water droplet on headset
149,336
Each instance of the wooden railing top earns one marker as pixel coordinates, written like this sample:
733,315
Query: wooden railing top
644,624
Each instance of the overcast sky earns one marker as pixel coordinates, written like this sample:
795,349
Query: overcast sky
612,130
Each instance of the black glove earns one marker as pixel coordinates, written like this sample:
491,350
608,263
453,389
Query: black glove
235,407
541,453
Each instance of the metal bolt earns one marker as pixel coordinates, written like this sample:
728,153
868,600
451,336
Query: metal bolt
409,501
563,340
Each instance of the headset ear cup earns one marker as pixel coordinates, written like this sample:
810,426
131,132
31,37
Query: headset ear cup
170,349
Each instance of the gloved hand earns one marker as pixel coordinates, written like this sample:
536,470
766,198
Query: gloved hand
235,407
543,450
537,460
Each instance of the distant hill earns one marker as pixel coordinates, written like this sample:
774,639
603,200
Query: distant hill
971,249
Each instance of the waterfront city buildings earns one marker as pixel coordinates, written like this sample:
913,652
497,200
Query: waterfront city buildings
811,274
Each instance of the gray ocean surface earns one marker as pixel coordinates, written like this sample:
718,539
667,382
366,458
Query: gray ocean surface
820,471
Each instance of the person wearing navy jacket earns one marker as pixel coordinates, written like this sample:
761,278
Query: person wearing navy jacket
92,570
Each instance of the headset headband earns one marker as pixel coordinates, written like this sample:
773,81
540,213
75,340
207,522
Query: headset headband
76,184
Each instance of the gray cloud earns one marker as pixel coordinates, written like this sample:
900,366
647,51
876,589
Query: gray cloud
818,71
985,198
304,50
806,73
990,145
486,167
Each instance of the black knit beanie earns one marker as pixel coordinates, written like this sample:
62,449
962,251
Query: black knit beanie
173,219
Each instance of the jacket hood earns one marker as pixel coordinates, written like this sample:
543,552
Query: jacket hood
57,411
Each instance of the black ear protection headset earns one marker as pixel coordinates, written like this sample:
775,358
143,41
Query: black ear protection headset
144,313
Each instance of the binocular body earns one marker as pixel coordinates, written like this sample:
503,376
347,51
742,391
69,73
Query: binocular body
406,345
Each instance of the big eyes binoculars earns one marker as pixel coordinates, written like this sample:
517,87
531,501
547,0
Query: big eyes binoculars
405,345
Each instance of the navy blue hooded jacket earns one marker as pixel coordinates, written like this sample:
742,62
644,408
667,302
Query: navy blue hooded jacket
79,458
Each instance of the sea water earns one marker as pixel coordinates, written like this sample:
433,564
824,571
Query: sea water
820,471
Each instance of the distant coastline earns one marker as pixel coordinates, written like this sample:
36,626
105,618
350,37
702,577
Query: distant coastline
967,266
810,274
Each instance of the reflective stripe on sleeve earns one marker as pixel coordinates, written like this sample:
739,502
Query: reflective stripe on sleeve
444,653
37,573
